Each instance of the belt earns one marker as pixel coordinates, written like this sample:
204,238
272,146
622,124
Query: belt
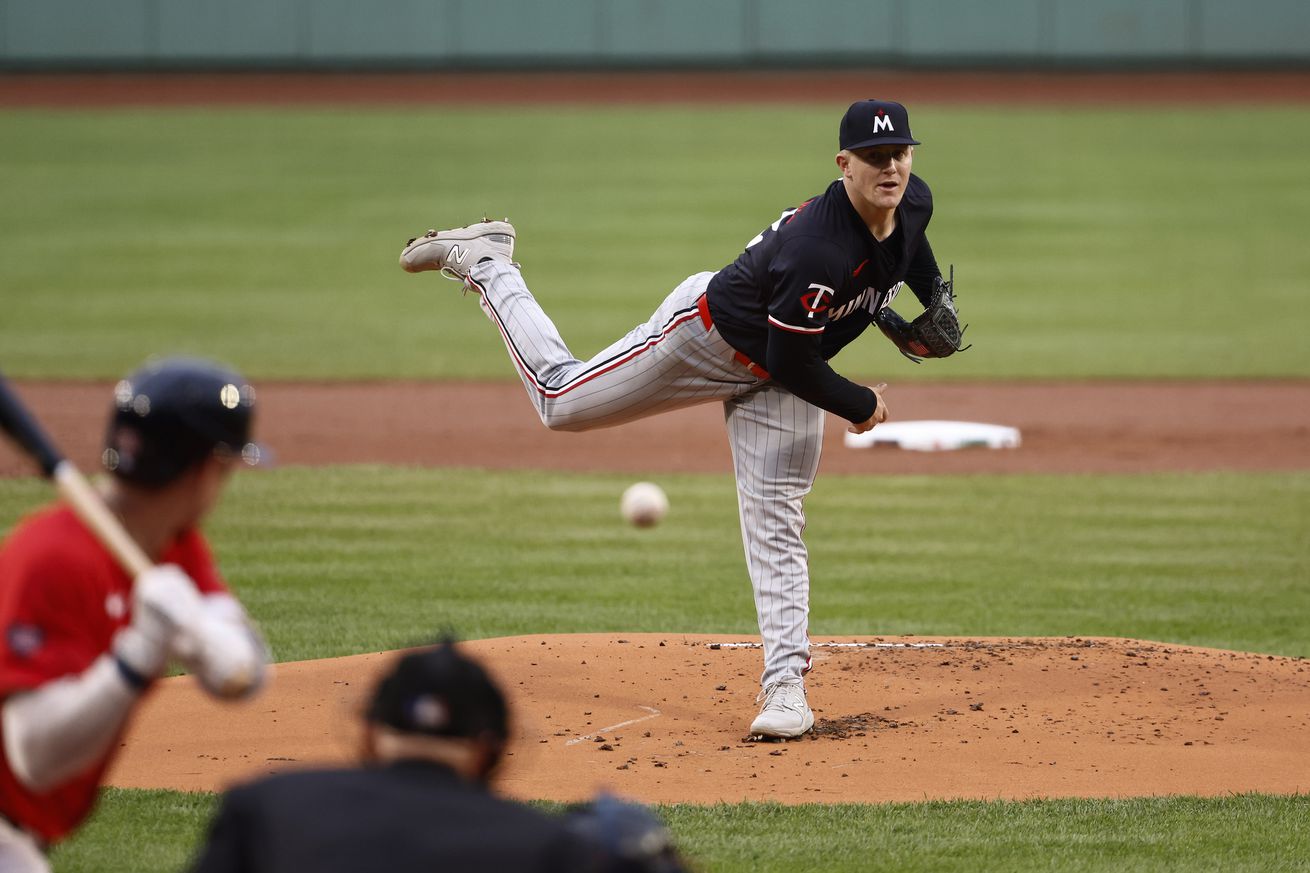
703,304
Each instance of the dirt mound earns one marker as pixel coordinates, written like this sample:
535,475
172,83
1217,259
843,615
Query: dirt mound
663,717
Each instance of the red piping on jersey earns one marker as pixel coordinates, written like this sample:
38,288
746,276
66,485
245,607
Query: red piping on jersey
552,392
703,304
787,327
799,210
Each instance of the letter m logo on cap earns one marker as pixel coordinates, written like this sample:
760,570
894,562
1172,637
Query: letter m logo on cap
882,122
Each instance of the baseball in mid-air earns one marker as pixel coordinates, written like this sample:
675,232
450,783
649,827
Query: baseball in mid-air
644,504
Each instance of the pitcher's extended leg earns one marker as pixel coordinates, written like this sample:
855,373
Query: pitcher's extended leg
666,363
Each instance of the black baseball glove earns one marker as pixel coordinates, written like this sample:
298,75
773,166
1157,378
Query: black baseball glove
936,333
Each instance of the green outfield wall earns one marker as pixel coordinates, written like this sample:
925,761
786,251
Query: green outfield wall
609,33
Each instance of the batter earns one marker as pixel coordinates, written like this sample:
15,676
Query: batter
757,336
81,642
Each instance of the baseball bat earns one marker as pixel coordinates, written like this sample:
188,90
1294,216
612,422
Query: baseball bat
22,426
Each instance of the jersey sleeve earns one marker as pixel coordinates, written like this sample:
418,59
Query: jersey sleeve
922,270
805,274
51,619
795,362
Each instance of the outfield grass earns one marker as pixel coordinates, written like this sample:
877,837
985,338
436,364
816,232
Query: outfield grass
342,560
1090,242
147,831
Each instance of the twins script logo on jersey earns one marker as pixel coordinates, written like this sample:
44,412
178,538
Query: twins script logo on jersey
881,300
870,298
859,301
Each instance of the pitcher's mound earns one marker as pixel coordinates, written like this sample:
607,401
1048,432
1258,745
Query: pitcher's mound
663,717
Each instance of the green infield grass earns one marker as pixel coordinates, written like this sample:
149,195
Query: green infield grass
342,560
1089,242
149,831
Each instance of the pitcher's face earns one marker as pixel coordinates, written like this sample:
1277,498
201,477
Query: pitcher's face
878,174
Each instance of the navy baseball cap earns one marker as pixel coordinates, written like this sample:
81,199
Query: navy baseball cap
172,413
440,692
870,123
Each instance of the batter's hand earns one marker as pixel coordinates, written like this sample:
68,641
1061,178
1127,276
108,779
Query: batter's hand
164,601
879,414
223,650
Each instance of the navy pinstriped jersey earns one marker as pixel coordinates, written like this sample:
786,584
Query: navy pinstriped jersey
811,282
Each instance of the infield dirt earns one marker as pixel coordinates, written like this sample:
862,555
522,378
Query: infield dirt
1075,427
663,717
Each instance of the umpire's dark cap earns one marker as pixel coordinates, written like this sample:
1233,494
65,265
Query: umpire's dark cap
439,692
869,123
172,413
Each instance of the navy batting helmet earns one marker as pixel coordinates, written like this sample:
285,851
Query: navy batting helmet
171,414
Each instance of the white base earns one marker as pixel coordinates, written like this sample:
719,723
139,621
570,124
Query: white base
935,436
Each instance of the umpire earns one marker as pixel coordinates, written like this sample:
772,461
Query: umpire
435,730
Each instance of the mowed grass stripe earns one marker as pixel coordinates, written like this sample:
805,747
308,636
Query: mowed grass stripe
1089,241
149,831
341,560
1249,833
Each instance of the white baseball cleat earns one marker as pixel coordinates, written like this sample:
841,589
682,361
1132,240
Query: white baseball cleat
454,252
785,712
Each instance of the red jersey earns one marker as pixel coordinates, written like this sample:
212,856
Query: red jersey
62,599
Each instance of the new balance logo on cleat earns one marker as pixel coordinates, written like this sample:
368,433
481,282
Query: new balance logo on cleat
456,251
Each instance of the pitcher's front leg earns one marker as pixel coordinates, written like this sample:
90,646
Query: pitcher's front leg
776,441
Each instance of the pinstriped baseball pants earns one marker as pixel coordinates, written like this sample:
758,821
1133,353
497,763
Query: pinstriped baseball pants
672,361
